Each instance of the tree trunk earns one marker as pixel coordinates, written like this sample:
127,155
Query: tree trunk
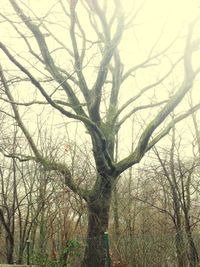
192,251
20,254
180,249
9,237
192,254
9,249
98,217
116,214
179,240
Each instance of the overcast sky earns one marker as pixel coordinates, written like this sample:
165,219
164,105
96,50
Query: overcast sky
157,18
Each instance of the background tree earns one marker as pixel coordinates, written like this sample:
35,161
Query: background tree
179,177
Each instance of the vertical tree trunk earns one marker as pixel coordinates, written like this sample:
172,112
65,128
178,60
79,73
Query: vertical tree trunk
193,257
9,249
98,217
180,249
193,254
42,236
179,240
116,214
20,253
9,237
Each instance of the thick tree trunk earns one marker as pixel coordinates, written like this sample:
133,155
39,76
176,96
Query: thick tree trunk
98,217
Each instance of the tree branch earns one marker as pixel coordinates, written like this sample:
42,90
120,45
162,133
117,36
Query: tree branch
187,84
48,164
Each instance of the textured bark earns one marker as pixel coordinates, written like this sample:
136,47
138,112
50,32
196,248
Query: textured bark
98,217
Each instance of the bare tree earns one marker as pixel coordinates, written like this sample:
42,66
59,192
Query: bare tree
179,176
74,94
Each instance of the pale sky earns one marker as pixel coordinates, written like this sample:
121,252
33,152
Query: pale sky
158,19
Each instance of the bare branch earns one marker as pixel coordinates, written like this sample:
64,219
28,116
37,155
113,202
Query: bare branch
129,114
146,88
187,84
78,58
50,65
109,50
170,126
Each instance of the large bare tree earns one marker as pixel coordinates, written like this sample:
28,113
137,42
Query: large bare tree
90,36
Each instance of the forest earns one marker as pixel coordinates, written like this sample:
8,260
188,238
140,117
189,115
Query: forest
100,133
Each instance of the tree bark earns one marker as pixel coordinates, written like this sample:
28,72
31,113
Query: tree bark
98,216
20,253
9,237
9,249
116,214
180,250
179,239
193,257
